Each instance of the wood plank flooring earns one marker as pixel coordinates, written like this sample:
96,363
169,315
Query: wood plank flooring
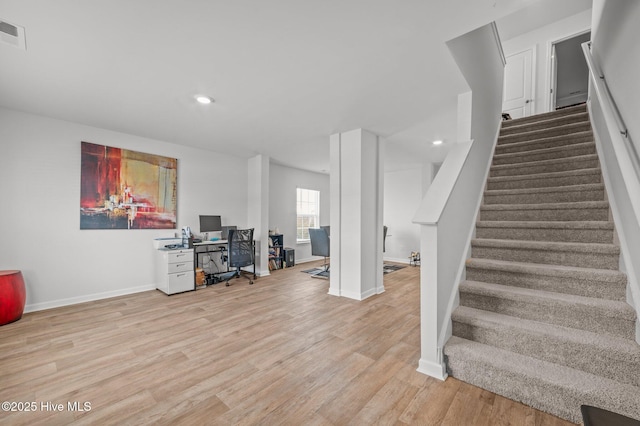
280,352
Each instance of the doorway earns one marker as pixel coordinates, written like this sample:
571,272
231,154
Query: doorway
569,72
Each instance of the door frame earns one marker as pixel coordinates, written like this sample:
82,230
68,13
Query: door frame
552,66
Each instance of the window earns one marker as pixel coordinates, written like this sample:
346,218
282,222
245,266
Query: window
308,210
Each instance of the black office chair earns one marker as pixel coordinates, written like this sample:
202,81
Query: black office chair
320,244
240,253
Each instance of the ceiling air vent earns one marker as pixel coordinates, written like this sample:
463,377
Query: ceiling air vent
12,34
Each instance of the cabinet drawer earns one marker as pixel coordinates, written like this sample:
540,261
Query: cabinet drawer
185,266
181,281
178,256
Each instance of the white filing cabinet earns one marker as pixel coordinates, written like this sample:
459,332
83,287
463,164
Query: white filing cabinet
174,270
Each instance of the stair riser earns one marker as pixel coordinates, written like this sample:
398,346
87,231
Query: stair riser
545,124
601,214
551,257
596,194
568,141
518,387
544,117
565,315
583,356
531,384
538,182
546,133
563,235
558,400
564,166
578,286
541,155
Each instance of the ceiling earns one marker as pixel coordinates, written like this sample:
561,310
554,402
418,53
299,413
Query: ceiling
285,74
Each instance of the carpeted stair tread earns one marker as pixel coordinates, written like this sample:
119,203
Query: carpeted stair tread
540,180
573,211
588,161
548,245
568,129
559,231
614,357
546,386
550,122
551,194
548,206
587,225
606,275
562,141
553,152
550,175
545,116
545,133
531,191
612,317
595,255
588,282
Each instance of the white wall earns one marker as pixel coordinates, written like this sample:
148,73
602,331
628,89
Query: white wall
402,196
40,227
615,49
282,204
403,193
541,40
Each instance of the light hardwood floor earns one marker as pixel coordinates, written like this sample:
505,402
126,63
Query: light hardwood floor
279,352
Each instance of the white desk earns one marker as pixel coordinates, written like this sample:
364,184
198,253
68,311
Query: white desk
209,243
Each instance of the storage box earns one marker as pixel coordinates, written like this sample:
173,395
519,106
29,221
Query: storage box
200,277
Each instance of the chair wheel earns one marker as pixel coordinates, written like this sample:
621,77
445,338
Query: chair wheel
227,284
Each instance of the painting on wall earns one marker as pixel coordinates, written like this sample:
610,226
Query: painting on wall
123,189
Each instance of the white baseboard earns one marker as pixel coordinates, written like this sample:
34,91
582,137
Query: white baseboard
86,298
396,260
310,259
433,369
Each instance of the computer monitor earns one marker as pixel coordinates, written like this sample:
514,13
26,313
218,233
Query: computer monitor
210,223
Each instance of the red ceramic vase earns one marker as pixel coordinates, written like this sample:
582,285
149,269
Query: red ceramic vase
12,296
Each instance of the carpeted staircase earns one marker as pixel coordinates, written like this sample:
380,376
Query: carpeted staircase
542,316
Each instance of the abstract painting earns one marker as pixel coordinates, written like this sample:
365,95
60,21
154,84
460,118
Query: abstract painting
123,189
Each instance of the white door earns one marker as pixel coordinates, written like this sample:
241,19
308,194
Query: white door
518,84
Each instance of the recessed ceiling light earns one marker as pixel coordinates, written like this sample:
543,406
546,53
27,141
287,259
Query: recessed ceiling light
437,142
204,99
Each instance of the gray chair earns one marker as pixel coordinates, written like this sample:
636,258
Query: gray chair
320,244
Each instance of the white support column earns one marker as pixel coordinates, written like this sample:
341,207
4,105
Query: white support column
258,214
357,182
